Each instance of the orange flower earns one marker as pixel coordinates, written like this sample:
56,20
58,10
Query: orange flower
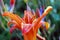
29,24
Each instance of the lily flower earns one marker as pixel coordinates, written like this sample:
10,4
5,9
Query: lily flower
29,24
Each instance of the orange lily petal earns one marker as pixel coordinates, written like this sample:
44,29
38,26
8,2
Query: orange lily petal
14,22
25,17
37,26
28,16
13,16
16,18
49,8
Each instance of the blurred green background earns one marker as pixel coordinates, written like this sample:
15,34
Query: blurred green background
53,33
